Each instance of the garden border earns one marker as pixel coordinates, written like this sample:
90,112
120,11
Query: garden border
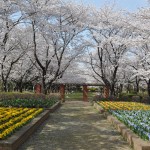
134,141
54,107
18,138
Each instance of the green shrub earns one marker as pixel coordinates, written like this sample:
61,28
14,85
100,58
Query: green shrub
28,103
101,98
14,96
28,100
136,98
93,89
129,95
145,99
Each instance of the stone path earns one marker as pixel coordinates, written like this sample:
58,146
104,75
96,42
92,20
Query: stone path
76,126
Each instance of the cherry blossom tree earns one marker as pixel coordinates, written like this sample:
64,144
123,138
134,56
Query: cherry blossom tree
139,22
111,42
10,51
57,36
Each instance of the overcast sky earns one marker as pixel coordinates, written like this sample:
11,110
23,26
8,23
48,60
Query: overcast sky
131,5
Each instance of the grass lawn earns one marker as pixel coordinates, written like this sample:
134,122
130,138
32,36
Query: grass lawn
78,95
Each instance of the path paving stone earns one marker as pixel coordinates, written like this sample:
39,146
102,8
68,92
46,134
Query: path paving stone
76,126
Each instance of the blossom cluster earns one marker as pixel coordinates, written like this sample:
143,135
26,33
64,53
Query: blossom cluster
11,119
111,105
137,121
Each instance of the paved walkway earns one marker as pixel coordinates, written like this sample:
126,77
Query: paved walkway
76,126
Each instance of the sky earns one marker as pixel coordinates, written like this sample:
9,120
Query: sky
130,5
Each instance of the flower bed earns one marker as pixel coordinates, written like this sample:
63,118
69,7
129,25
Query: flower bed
137,121
11,119
109,105
134,115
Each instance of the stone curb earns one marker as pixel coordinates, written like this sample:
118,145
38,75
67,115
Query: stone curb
18,138
130,136
54,107
100,109
134,141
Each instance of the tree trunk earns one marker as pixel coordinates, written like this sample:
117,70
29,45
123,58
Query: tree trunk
121,88
148,87
4,88
128,88
44,90
137,88
20,87
112,90
137,85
